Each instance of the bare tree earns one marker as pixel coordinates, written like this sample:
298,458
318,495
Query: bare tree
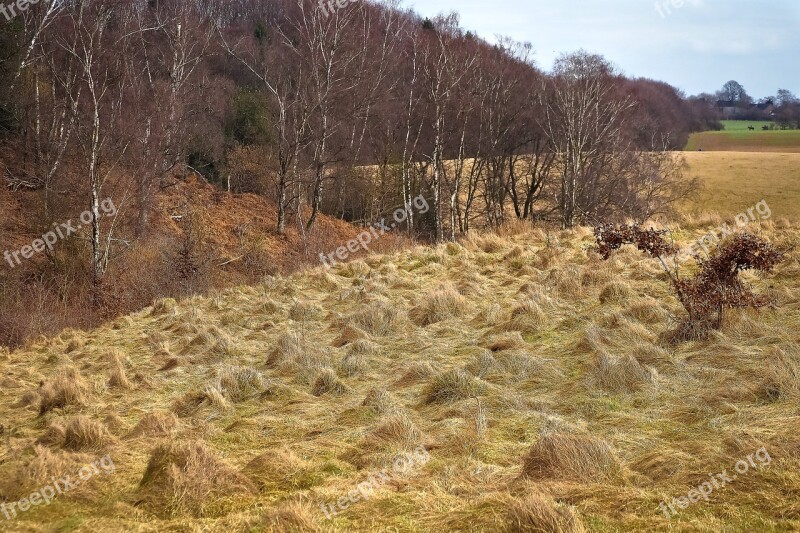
444,65
98,104
584,120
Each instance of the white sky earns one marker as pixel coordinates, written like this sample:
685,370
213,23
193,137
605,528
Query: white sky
697,47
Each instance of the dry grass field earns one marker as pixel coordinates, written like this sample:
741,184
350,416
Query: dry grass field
533,378
736,138
733,181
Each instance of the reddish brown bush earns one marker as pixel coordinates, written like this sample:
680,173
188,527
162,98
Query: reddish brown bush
716,287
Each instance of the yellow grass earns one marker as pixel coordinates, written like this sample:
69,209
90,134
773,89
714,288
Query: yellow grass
737,180
534,375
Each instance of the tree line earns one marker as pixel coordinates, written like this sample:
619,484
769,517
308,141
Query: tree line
348,113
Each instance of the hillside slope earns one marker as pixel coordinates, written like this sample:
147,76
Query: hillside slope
510,382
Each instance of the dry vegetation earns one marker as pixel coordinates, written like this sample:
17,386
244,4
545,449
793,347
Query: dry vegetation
537,376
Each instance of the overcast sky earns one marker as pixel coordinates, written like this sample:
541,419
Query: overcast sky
697,47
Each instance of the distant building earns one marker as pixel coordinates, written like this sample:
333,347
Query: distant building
732,110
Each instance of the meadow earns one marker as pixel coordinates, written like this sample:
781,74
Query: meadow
736,137
732,181
513,381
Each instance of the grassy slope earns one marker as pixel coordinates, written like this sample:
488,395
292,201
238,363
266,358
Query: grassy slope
672,414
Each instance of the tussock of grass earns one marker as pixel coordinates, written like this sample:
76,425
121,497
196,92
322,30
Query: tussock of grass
290,346
155,424
305,311
164,306
380,317
615,292
527,316
349,334
622,374
212,341
353,363
445,302
568,456
647,311
483,364
66,388
509,341
84,434
117,377
452,386
184,478
239,384
188,404
53,435
781,373
416,372
396,429
327,382
380,401
277,469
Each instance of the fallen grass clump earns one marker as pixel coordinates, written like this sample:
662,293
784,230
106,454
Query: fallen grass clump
539,513
781,373
396,429
452,386
118,378
380,317
569,456
615,293
349,335
444,303
328,382
185,478
290,346
212,341
527,316
622,374
66,388
238,383
380,401
155,424
278,469
84,434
